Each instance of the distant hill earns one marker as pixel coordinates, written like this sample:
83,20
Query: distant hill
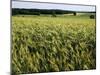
16,11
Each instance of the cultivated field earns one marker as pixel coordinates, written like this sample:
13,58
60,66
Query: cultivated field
48,44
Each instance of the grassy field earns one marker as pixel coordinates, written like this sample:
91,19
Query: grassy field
48,44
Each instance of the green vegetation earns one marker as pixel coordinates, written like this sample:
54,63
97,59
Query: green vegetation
16,11
48,44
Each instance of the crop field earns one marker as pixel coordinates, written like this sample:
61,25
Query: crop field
53,44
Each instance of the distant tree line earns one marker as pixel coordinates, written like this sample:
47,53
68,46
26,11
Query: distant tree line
53,12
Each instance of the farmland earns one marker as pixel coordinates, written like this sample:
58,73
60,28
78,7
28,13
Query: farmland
49,44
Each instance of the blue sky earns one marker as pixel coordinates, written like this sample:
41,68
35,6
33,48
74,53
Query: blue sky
32,5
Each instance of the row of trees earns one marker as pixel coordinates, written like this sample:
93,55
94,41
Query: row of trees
41,11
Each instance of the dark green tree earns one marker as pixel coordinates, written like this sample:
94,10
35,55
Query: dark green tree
54,14
74,13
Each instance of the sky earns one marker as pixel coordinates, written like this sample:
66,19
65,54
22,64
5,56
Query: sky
35,5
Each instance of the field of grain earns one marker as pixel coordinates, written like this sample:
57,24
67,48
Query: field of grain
49,44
